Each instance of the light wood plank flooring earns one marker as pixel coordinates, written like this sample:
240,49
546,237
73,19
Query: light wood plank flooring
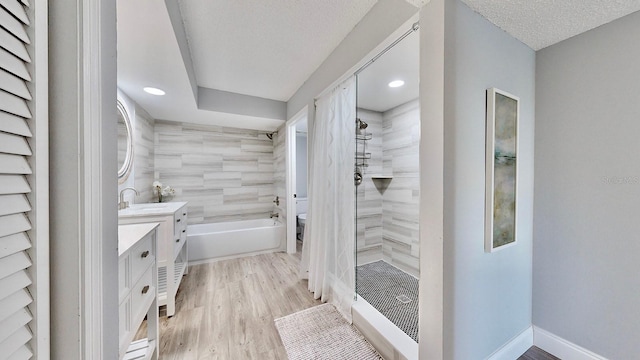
226,309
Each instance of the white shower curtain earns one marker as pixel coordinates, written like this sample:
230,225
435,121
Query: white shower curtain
328,258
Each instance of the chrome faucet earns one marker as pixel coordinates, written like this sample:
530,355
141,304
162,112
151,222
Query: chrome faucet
125,204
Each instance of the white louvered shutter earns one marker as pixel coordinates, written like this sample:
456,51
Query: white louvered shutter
15,129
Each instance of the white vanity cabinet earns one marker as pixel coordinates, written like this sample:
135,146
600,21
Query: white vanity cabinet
137,284
172,244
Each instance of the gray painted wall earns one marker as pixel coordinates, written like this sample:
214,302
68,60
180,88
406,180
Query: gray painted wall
587,187
488,296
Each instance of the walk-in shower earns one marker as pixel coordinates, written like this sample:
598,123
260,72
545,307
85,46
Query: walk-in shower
386,175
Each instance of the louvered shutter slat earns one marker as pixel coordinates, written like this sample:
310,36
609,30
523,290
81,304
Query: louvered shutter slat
13,45
14,303
14,144
13,65
13,283
14,164
21,354
16,10
13,243
14,204
16,267
14,85
13,184
14,124
14,26
15,321
14,105
13,224
14,342
14,263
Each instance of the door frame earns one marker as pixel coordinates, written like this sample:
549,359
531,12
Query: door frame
290,156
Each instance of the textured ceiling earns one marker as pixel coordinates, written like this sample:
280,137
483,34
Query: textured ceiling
541,23
265,48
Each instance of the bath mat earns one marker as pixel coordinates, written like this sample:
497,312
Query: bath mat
321,332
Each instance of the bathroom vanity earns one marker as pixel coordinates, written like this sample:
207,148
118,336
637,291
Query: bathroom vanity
137,283
171,242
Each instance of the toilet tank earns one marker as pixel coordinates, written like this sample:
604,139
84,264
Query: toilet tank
301,206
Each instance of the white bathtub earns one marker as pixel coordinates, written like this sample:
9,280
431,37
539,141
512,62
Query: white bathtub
208,242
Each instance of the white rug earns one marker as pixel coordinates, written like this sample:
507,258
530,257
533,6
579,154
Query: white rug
321,332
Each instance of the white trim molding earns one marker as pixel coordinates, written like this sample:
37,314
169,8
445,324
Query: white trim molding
560,347
514,347
291,162
83,196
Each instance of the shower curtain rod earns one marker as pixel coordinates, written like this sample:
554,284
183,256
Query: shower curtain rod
414,27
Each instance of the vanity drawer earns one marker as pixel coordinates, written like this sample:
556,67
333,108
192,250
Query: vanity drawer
141,293
124,277
124,317
180,219
142,256
179,242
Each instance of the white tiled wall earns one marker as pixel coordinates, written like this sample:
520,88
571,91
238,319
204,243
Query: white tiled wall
225,174
388,211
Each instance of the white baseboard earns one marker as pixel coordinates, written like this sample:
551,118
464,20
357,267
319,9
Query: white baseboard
560,347
515,347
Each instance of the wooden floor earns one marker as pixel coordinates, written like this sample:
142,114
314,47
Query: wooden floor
535,353
226,309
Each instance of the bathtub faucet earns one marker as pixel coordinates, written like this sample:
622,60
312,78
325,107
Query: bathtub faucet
275,215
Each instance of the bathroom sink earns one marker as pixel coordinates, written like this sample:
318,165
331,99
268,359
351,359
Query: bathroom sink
150,209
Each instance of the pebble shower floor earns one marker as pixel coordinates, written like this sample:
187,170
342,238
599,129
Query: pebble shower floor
392,292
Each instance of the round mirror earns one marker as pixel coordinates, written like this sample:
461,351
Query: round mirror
125,144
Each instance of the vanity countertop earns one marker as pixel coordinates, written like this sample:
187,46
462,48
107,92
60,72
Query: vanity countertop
165,208
129,235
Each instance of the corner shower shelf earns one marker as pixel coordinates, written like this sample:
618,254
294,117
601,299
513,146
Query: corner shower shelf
365,136
365,156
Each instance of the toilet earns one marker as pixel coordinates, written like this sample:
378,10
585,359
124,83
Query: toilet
301,215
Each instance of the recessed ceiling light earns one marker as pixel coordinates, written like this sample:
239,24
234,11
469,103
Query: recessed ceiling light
396,83
154,91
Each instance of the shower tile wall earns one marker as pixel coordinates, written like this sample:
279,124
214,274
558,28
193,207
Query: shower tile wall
279,175
369,216
388,211
400,201
226,174
144,154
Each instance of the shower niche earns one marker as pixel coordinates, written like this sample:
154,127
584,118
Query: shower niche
387,132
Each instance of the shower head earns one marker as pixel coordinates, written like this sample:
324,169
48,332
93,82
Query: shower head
361,124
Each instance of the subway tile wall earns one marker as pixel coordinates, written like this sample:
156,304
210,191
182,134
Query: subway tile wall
225,174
